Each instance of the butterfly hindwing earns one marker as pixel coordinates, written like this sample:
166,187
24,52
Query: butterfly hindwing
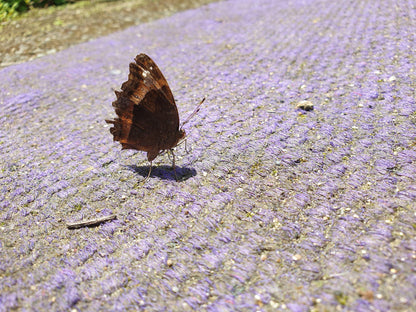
156,126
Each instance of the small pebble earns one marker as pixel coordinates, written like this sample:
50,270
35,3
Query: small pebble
305,105
115,72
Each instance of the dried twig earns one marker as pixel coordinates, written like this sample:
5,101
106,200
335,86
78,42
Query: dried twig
93,222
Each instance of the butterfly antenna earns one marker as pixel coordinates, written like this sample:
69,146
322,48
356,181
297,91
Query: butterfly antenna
193,113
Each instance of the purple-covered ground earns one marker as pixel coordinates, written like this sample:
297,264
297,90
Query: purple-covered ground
278,209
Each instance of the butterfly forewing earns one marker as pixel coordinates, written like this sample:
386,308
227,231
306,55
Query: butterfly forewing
147,63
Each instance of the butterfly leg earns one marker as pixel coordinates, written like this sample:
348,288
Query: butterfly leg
186,147
173,164
148,175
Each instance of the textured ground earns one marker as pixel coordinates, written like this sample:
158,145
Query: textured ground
278,209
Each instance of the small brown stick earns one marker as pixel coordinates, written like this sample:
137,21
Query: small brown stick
93,222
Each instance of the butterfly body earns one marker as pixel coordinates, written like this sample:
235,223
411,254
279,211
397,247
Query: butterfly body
147,116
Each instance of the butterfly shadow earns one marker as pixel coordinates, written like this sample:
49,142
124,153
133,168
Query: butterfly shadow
164,172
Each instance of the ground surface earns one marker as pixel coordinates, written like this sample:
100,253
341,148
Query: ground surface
46,31
277,209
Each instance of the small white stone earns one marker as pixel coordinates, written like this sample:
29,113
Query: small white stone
305,105
115,72
274,304
403,300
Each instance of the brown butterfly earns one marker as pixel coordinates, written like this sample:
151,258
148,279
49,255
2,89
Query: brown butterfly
148,118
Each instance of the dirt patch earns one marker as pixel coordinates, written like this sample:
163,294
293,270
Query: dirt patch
46,31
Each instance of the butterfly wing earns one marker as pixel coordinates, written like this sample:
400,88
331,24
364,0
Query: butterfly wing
148,118
143,61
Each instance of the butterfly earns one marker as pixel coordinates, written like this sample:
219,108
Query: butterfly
147,116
